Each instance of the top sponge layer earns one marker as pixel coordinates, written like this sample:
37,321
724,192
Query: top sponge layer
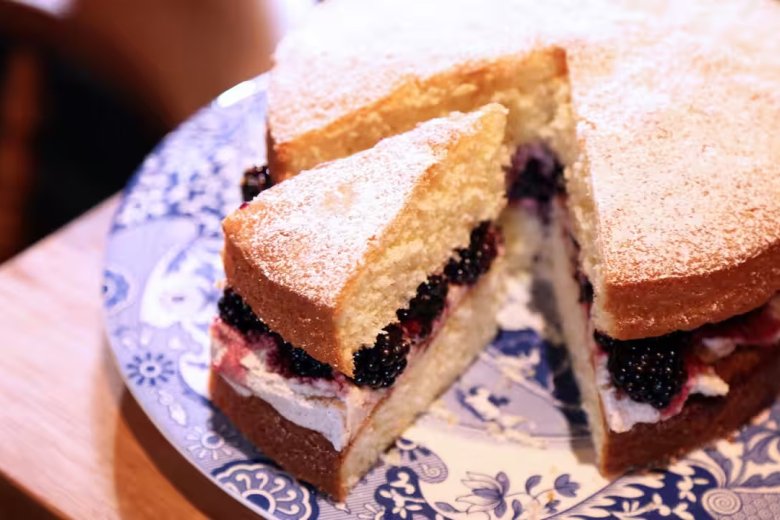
326,258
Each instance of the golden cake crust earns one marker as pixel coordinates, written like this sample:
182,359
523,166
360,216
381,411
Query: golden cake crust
326,79
295,142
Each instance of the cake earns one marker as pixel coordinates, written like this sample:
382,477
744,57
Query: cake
357,292
643,170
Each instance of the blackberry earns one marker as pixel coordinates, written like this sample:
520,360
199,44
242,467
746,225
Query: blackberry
425,307
235,312
300,363
586,288
649,370
255,180
378,366
535,173
472,262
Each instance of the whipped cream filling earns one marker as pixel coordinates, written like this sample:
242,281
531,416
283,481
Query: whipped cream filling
336,408
329,406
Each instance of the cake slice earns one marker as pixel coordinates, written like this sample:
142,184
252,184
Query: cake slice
664,232
356,292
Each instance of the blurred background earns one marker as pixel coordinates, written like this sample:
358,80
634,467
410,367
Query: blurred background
88,87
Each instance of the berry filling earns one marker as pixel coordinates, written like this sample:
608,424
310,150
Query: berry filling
255,180
300,363
534,178
289,359
656,370
650,370
378,365
236,313
470,263
660,370
425,307
760,327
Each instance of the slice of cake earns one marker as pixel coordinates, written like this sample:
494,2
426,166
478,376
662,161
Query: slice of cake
664,232
357,292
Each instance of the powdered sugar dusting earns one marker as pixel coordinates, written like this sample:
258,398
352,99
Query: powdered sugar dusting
384,46
312,232
676,107
684,168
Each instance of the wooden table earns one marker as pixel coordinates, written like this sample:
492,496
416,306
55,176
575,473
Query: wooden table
73,442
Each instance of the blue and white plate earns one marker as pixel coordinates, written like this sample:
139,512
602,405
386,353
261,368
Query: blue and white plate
506,441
